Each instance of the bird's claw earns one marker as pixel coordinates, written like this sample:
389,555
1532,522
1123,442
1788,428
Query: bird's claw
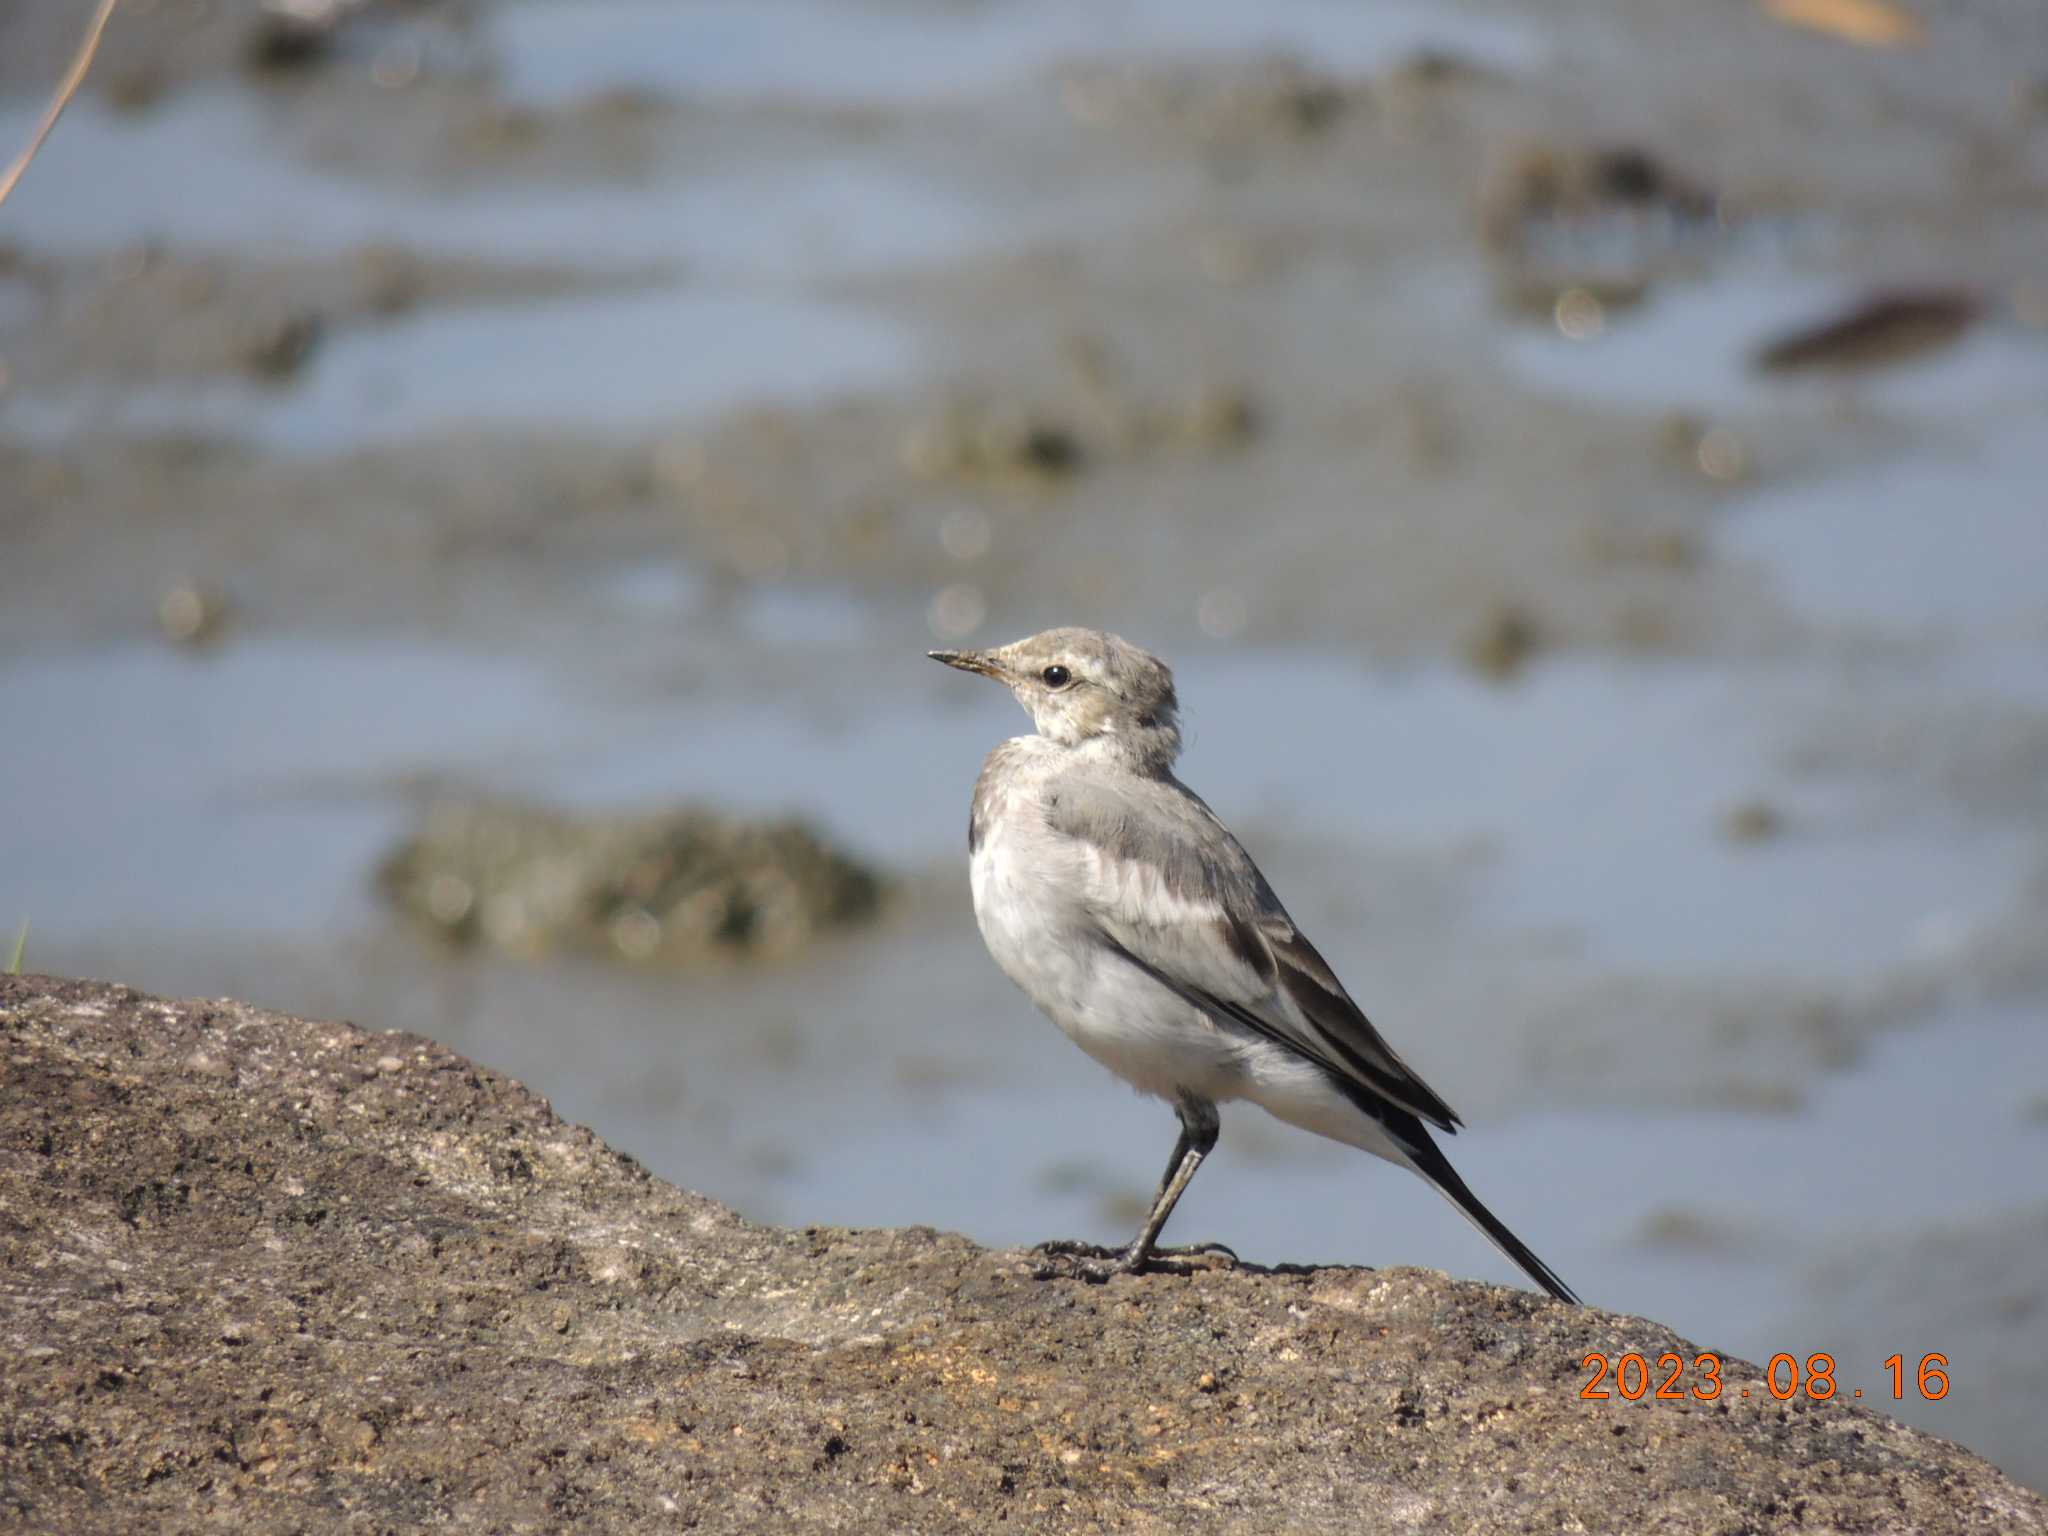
1067,1259
1068,1267
1070,1248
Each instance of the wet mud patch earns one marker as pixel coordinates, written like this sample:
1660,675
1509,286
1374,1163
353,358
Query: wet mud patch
689,886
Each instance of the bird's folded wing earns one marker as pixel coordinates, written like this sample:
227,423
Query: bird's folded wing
1169,886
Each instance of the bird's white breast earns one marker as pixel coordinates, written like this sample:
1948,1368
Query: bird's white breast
1023,909
1027,883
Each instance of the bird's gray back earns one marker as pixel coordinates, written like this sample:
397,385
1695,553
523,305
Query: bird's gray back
1178,894
1160,822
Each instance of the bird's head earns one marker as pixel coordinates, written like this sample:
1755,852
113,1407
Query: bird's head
1086,687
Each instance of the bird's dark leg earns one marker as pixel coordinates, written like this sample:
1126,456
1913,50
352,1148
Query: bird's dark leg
1198,1128
1180,1151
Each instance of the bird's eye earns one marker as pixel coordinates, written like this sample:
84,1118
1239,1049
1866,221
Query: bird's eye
1056,677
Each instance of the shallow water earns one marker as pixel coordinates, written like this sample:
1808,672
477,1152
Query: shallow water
1952,543
233,172
1691,345
1593,795
812,51
616,364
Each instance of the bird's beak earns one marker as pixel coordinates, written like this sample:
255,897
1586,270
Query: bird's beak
967,661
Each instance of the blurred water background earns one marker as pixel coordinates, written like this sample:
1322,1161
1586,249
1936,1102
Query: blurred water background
1585,460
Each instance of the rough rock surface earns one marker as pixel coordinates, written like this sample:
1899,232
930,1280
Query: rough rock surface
270,1273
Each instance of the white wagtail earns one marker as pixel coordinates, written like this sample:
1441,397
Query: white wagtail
1124,908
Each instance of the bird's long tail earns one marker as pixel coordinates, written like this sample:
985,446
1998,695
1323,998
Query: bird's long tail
1430,1162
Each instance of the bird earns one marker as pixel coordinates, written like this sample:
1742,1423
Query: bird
1122,906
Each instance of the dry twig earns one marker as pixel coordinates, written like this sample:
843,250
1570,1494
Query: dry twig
73,78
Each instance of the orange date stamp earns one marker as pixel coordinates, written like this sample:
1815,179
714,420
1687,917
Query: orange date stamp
1673,1377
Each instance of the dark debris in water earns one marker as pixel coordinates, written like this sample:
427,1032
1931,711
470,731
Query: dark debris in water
274,347
1882,330
1752,821
1604,220
1552,182
1504,641
970,440
290,35
677,887
1262,100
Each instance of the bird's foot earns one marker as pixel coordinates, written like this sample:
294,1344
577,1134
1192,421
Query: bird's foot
1066,1259
1070,1248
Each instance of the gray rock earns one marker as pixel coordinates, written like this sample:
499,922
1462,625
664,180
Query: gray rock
273,1273
681,886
